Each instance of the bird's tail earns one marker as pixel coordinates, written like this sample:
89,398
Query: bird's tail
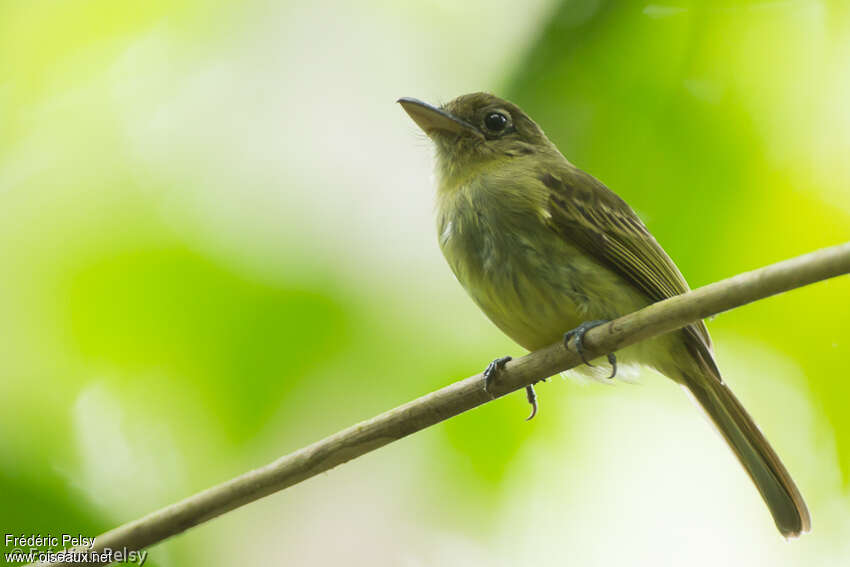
752,449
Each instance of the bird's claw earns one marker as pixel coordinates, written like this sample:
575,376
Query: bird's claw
491,373
612,360
579,333
493,369
531,395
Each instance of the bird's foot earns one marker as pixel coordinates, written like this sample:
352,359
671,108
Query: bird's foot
579,333
492,371
491,375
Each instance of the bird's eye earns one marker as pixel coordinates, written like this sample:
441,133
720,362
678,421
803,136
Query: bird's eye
496,121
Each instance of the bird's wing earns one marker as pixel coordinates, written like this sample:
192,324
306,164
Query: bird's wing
593,217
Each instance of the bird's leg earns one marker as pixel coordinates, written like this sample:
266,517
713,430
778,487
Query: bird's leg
491,373
578,333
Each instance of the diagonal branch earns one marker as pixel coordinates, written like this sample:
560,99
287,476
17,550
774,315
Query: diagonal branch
357,440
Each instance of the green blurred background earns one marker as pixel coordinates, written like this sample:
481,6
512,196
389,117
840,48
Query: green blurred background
217,245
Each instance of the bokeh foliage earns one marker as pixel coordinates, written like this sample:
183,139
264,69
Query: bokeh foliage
149,348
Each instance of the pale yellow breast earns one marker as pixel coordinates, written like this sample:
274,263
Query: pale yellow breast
528,280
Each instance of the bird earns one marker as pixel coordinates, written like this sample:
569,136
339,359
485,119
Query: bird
542,247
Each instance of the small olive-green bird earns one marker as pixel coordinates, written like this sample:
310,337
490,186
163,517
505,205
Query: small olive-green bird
543,247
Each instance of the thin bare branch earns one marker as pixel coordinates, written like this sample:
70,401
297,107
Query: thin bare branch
464,395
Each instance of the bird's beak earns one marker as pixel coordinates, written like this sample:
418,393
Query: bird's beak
430,118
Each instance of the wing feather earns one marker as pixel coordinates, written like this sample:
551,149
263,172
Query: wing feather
588,214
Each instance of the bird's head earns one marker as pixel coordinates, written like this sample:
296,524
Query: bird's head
477,132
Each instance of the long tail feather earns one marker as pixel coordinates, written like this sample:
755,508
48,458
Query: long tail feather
752,449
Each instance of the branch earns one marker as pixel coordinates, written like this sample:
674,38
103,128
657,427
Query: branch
357,440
